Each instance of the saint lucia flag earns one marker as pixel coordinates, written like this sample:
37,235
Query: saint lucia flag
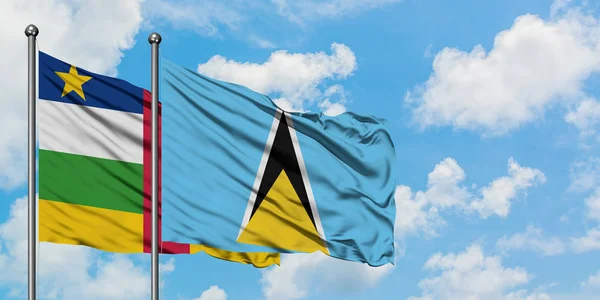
240,174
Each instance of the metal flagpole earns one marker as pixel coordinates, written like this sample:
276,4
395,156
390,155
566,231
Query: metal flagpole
31,32
154,39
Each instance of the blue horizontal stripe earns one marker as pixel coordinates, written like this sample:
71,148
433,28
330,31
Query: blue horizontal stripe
100,91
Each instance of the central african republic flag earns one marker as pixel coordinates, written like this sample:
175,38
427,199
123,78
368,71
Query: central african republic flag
95,165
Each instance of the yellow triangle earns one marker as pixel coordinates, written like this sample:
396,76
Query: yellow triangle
282,222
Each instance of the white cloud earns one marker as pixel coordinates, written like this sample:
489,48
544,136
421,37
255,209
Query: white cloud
533,240
427,53
286,105
593,282
301,11
303,274
420,211
334,107
532,66
592,204
201,16
168,266
209,17
294,78
496,196
443,185
472,275
261,42
68,272
585,175
415,214
587,243
586,116
68,30
524,295
117,278
559,6
213,293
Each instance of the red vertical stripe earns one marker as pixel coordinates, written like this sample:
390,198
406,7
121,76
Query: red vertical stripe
147,171
166,247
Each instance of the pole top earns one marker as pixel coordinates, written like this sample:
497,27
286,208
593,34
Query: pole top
154,38
31,30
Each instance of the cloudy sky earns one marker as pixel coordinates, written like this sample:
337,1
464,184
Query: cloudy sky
494,107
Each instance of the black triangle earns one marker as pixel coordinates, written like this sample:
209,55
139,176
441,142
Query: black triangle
283,157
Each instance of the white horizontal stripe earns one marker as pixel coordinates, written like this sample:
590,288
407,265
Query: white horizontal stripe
90,131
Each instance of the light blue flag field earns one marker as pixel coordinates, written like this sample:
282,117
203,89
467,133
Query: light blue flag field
240,174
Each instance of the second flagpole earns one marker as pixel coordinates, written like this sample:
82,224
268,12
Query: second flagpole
154,39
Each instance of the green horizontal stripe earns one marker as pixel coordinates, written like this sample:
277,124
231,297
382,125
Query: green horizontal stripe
91,181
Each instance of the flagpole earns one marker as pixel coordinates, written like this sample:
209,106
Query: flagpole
31,32
154,39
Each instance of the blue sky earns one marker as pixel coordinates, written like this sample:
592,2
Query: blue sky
493,107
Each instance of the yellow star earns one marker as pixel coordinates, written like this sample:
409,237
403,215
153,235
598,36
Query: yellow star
73,82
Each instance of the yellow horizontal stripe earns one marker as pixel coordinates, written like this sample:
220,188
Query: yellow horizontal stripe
257,259
103,229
